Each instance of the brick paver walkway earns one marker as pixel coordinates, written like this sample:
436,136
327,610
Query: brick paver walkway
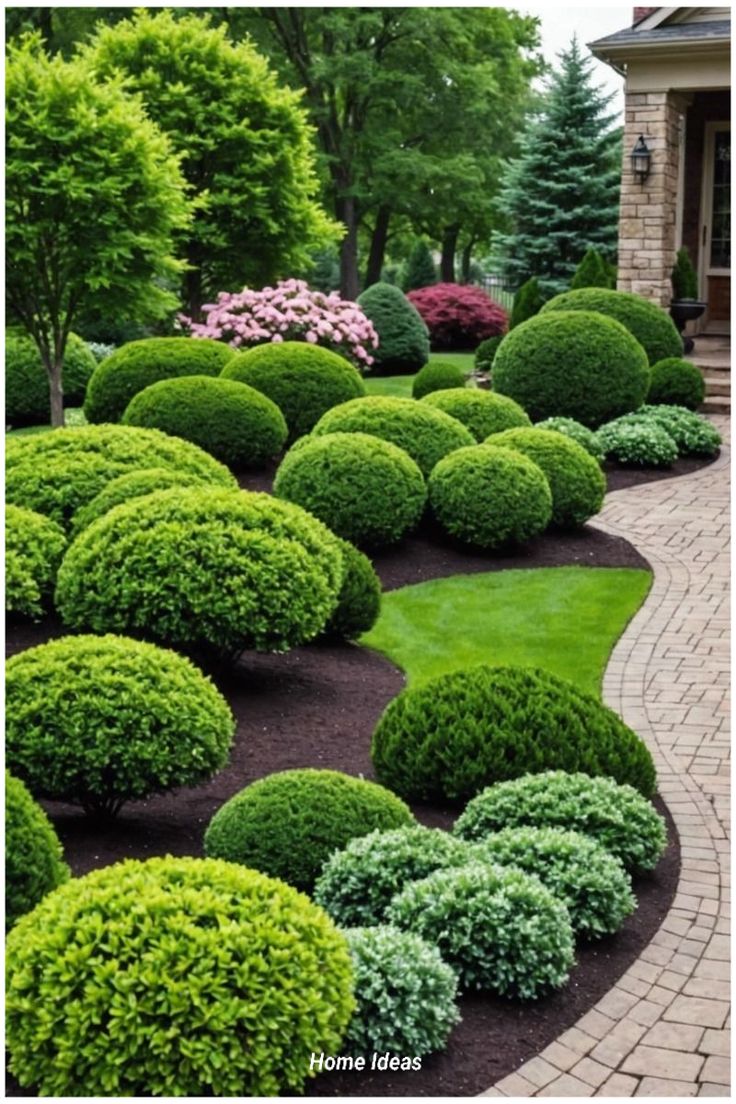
663,1030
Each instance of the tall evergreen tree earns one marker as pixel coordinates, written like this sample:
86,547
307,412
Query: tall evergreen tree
561,195
420,270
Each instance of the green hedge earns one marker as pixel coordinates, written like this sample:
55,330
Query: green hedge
426,434
34,860
288,824
578,364
676,382
482,412
138,364
490,496
403,338
363,488
34,546
649,324
101,720
577,432
27,399
439,375
448,738
303,380
359,601
136,484
174,977
203,567
638,440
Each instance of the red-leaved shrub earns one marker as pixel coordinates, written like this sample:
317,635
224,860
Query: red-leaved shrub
458,316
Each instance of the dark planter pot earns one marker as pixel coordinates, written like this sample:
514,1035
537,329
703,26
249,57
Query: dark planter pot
683,311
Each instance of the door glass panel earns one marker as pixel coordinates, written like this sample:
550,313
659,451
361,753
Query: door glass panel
720,244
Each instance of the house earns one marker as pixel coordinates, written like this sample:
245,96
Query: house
676,63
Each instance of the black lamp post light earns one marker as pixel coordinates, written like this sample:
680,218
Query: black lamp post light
641,160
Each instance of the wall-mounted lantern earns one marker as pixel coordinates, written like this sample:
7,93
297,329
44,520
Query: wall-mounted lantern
641,159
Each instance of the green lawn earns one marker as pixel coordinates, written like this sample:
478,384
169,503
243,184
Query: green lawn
400,386
564,619
73,416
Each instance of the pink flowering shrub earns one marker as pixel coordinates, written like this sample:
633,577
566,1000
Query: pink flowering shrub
458,316
291,311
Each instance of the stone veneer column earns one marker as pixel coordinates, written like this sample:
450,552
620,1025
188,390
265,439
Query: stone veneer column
646,242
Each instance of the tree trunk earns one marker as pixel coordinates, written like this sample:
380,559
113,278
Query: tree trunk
193,290
56,393
346,211
449,245
378,245
467,256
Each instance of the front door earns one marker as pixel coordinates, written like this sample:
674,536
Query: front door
715,234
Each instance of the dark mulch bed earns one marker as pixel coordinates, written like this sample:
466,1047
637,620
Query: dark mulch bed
317,706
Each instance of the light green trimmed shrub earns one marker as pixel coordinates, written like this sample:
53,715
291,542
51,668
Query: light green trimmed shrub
27,399
34,546
34,860
577,870
576,481
303,380
137,364
641,441
485,354
405,993
490,496
426,434
448,738
694,435
482,412
136,484
357,884
101,720
498,928
288,824
359,601
676,382
203,567
614,815
438,375
578,364
649,324
403,338
363,488
577,432
174,977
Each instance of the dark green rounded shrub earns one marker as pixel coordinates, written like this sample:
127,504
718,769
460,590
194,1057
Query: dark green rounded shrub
482,412
59,472
694,435
203,567
578,364
450,737
288,824
426,434
615,815
403,338
638,440
438,375
649,324
498,928
490,496
34,546
576,481
528,301
366,490
233,422
174,977
359,601
101,720
140,363
34,860
588,879
485,354
136,484
27,399
357,884
303,380
405,993
676,382
577,432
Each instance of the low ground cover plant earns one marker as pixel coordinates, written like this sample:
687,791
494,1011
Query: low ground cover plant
458,316
637,440
649,324
34,860
101,720
693,434
34,546
676,382
288,824
403,340
359,600
157,966
438,375
577,432
135,484
27,399
483,412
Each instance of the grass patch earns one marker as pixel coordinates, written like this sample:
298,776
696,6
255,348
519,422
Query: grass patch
563,619
73,416
400,386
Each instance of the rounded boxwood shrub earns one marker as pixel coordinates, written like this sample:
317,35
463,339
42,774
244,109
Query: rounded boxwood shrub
357,884
485,354
426,434
233,422
34,546
359,601
578,364
34,860
577,432
101,720
490,496
637,440
450,737
27,399
458,316
499,928
439,375
403,339
676,382
405,993
288,824
57,473
203,567
614,815
482,412
365,489
136,484
649,324
303,380
693,434
137,364
591,882
174,977
576,481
